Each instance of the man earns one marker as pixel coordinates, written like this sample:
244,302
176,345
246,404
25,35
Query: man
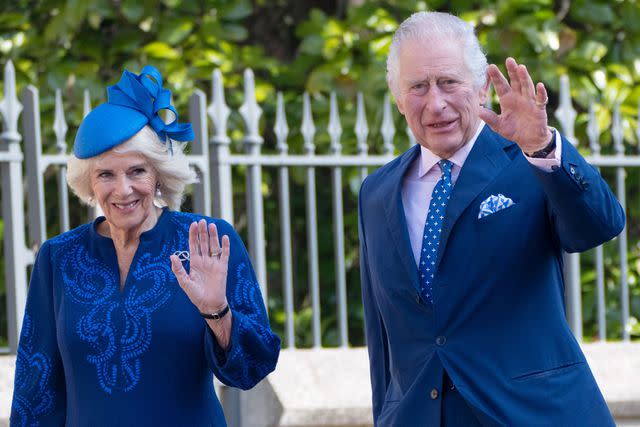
461,246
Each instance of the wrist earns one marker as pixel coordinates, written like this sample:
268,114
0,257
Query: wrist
216,315
546,150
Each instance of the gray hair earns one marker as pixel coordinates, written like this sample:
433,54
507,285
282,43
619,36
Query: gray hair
434,26
173,171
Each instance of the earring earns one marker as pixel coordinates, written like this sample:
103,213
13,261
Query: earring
158,192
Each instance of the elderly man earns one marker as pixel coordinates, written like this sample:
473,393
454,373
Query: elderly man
461,245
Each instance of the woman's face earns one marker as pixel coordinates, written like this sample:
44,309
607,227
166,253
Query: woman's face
124,186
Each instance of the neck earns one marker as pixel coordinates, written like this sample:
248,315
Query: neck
126,237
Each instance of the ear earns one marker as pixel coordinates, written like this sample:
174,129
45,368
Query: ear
484,90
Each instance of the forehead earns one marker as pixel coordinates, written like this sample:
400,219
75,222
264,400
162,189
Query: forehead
114,160
421,59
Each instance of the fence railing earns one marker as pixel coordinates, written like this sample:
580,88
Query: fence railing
214,160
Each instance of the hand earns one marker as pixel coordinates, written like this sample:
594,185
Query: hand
523,112
206,283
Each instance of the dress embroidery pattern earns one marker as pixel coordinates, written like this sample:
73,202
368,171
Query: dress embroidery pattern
116,325
33,395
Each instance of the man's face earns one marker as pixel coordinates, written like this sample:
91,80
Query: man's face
437,95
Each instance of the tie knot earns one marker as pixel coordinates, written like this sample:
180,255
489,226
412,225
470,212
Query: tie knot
445,167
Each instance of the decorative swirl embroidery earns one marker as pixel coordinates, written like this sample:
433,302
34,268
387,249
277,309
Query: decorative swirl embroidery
116,326
33,396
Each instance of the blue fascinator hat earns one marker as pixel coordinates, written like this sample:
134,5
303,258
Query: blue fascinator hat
132,103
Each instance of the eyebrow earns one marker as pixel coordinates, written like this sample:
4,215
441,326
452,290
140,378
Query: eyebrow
136,166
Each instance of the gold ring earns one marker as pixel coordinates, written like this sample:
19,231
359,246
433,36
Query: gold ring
216,254
542,104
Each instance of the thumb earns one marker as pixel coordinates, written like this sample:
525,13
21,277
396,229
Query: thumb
489,117
180,272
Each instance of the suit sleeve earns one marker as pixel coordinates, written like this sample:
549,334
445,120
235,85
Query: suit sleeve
374,327
39,395
254,348
583,210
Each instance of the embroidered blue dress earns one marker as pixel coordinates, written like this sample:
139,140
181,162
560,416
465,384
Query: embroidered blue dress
91,354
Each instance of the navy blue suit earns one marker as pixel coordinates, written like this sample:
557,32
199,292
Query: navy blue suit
497,325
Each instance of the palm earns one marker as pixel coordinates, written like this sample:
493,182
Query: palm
523,116
206,282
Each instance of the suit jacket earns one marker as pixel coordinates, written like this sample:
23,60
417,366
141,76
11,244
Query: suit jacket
497,324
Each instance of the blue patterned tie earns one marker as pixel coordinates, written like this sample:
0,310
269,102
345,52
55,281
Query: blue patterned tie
432,230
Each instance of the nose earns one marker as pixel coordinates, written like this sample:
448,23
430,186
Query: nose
123,185
435,100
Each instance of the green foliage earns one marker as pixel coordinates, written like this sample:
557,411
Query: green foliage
319,47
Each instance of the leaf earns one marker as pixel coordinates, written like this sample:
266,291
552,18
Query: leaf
160,50
176,30
133,10
240,9
233,32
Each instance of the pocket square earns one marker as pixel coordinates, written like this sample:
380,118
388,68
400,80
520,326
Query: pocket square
493,204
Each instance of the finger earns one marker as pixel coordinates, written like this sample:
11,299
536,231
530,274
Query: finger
179,272
214,244
203,238
541,95
489,117
500,83
193,240
512,71
528,89
226,250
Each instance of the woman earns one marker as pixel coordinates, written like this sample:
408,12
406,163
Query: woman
128,316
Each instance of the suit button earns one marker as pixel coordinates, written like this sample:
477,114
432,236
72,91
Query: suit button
572,170
441,340
434,393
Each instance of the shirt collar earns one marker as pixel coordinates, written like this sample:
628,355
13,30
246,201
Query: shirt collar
428,160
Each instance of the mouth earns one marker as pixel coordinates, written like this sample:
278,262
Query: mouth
126,206
441,124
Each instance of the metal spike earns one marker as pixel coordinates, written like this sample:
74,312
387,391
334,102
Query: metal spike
388,129
218,110
87,104
616,130
638,125
250,110
361,129
565,113
307,128
335,128
281,129
593,130
60,124
10,107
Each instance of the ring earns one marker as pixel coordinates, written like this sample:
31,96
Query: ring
216,254
542,104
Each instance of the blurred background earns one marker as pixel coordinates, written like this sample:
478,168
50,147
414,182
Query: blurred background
320,46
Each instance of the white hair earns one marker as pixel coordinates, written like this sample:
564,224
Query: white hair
173,171
430,27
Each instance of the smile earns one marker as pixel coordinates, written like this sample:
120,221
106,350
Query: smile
125,206
440,124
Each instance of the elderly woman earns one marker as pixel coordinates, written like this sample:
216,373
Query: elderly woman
128,316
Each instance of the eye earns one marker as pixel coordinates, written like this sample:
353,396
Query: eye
138,171
105,174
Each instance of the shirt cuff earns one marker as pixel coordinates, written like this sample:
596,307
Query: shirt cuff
553,159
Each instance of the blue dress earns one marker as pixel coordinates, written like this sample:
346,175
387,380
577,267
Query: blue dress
91,354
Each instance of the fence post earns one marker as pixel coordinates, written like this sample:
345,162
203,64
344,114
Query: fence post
219,166
200,148
566,115
251,112
15,252
618,135
33,157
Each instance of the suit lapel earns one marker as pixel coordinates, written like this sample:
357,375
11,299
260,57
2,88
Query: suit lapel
485,161
396,219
